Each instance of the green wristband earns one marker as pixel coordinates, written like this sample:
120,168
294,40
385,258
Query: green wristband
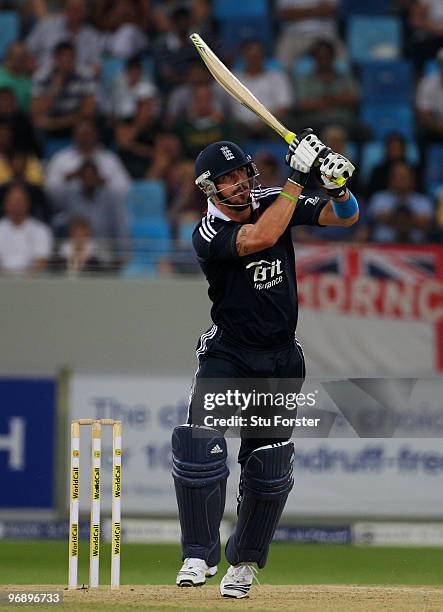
287,195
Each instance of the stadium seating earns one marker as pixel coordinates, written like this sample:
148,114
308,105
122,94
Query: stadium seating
305,65
237,30
349,8
373,38
185,231
386,81
147,200
271,63
151,240
112,66
277,148
372,154
9,29
228,9
434,169
390,117
51,146
430,67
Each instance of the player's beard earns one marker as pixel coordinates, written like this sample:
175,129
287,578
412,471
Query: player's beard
237,206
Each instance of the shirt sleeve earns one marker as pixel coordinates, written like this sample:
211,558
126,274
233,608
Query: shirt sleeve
42,242
380,204
424,95
216,243
308,209
40,83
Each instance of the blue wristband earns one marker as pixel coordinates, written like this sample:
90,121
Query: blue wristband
347,209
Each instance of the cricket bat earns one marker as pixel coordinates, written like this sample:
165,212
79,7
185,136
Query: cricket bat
237,90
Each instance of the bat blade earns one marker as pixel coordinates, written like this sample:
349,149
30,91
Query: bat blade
237,90
241,93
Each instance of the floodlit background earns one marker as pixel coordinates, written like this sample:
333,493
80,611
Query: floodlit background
103,108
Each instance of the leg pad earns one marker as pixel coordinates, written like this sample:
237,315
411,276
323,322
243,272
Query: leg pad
200,472
266,480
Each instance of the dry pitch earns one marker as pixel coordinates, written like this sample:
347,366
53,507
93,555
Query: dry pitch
324,598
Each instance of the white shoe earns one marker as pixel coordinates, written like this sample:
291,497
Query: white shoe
194,573
238,580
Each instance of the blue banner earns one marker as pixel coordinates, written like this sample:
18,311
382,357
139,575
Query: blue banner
27,442
314,534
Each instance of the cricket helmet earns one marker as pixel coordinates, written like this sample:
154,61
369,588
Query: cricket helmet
218,159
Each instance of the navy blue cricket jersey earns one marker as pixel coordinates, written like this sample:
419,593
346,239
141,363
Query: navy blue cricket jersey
254,298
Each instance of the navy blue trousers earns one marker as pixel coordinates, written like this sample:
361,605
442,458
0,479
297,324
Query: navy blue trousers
220,357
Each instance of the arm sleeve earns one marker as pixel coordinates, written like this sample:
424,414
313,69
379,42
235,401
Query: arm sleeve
42,242
423,98
308,210
219,247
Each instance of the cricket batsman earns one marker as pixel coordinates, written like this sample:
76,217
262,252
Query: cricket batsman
254,316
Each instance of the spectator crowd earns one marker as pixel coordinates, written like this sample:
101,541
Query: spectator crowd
101,99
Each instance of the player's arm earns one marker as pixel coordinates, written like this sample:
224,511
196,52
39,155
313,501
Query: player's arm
302,154
342,209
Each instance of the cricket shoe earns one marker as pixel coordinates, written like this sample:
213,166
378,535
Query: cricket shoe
237,581
194,573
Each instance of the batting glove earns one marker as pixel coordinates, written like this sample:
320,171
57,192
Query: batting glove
333,167
302,153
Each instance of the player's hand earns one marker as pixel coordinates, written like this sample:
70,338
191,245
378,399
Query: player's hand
335,166
302,153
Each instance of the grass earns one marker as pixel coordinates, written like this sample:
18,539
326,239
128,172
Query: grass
46,562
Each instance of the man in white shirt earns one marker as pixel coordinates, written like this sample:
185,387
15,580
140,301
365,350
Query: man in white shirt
271,87
429,101
303,22
25,243
130,88
68,25
400,214
66,164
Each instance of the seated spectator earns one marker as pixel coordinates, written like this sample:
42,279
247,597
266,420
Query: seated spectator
304,22
326,96
25,243
400,214
62,94
337,138
199,15
270,169
6,141
395,151
65,165
186,201
182,96
203,123
68,25
79,254
135,138
426,22
23,133
131,89
166,160
439,216
174,53
271,87
124,24
15,74
25,170
20,166
91,199
429,101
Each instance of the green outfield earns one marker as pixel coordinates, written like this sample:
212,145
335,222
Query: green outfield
46,562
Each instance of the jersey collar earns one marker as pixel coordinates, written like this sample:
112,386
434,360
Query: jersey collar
216,212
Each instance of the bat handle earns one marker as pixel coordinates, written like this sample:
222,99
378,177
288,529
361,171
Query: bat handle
289,137
340,181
